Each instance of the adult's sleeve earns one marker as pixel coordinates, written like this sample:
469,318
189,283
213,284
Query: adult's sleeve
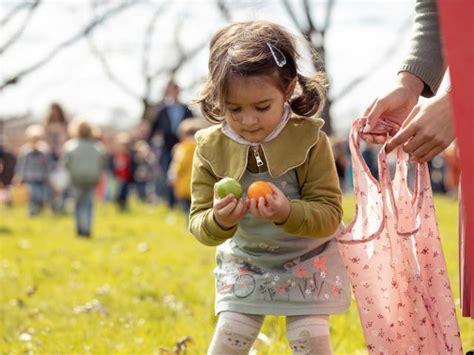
425,58
156,124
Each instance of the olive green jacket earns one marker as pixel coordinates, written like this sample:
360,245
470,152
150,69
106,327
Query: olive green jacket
301,146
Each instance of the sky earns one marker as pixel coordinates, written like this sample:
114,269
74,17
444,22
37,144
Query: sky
361,34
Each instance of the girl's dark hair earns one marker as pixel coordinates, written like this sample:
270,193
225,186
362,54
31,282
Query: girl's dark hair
243,48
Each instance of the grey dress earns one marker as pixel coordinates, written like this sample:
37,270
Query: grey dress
265,270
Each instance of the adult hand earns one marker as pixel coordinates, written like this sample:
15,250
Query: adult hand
228,211
274,207
427,131
388,112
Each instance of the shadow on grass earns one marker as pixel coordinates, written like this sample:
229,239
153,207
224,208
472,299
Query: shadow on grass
5,231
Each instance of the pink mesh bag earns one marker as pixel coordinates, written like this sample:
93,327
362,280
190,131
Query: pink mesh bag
393,256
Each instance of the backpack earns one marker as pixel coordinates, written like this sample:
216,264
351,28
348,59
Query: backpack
85,161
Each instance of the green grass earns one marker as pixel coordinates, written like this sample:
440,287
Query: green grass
151,280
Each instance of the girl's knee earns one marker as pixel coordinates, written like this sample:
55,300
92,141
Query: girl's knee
235,334
309,335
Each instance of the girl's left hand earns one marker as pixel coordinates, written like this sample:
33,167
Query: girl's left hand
275,207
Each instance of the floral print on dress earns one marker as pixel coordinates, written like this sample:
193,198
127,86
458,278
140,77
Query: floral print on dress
393,255
310,279
264,269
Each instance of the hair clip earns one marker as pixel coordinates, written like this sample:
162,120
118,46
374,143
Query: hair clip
275,53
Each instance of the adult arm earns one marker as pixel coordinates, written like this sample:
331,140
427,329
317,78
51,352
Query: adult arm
425,58
420,74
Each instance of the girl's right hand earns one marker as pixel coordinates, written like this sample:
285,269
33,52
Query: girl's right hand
228,211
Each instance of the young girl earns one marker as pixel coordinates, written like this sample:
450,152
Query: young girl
276,255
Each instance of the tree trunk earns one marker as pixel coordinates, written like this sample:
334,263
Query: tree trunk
320,65
149,111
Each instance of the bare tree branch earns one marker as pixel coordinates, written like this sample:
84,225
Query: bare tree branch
196,82
327,18
311,26
108,71
11,15
291,13
21,29
149,34
404,27
149,79
315,35
68,42
222,6
182,59
177,42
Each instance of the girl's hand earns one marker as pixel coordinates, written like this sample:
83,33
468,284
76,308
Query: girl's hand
228,211
275,207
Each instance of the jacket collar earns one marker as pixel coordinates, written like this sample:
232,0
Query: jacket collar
290,149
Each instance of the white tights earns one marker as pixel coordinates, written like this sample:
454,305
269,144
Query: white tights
236,332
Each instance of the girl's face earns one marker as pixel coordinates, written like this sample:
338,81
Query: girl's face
255,106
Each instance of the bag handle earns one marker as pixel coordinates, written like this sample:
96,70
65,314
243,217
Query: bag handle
359,164
364,182
422,184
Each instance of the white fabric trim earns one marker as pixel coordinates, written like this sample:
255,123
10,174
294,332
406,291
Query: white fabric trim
229,132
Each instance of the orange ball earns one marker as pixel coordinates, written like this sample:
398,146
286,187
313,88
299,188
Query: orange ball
259,189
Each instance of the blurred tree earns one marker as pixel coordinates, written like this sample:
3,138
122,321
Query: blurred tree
11,15
316,36
45,58
150,75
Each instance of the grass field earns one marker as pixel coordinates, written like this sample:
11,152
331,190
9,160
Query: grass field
140,285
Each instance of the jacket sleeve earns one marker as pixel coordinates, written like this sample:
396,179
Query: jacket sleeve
20,166
156,124
201,221
187,112
318,213
425,58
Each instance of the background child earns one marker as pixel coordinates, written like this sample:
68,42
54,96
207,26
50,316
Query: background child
55,125
122,168
33,168
276,255
179,174
143,169
7,171
84,158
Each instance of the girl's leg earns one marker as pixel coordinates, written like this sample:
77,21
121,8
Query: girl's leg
235,333
309,334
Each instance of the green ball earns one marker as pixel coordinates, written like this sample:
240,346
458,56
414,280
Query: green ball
227,186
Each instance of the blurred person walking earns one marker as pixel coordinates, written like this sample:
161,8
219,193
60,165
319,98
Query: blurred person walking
84,158
453,170
340,157
179,173
55,125
121,161
142,169
33,168
7,171
171,113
